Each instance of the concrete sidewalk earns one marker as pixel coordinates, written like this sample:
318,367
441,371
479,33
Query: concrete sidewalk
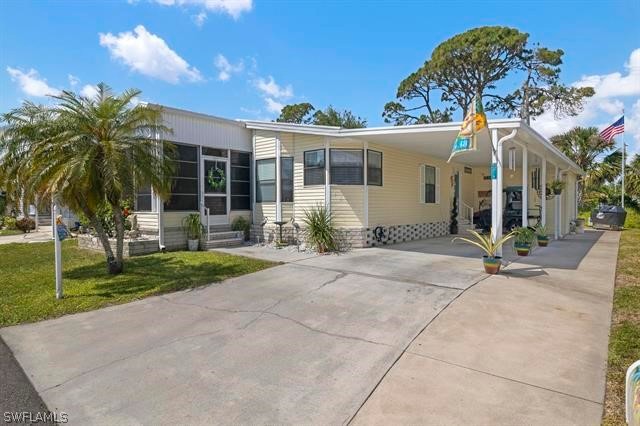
525,347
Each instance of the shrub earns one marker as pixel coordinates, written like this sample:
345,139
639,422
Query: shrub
192,226
320,231
10,222
524,236
240,223
25,224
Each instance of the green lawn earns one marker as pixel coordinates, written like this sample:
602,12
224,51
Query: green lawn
624,342
5,232
27,281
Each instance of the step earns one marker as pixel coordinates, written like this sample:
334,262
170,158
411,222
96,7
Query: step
230,242
218,228
225,235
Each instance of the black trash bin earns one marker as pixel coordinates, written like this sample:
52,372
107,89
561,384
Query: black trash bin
608,216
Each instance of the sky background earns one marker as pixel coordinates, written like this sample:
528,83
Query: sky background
247,58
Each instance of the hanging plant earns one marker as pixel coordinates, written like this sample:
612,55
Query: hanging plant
217,179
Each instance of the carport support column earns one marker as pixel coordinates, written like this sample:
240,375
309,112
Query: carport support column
327,175
525,186
278,180
556,208
496,189
543,192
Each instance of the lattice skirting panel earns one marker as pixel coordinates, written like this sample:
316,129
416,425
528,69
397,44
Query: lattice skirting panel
394,234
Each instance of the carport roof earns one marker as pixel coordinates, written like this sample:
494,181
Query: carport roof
435,139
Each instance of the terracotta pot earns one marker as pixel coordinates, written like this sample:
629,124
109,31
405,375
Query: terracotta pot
522,250
542,242
492,264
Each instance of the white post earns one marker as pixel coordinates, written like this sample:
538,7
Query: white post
556,208
53,220
58,254
623,153
496,188
278,180
543,191
525,186
366,183
327,175
37,218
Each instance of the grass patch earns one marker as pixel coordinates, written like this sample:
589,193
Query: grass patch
27,282
624,342
6,232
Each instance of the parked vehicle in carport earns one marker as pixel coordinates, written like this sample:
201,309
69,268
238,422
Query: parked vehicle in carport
512,211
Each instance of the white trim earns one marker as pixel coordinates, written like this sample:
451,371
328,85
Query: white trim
543,191
422,172
365,166
252,177
278,179
525,186
556,209
327,175
178,111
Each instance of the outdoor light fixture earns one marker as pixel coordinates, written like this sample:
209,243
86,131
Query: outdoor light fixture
512,158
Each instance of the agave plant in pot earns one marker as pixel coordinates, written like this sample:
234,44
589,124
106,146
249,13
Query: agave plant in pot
193,228
491,260
524,238
542,235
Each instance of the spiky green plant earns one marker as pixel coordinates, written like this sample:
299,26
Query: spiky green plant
485,242
541,230
85,152
523,236
193,226
319,229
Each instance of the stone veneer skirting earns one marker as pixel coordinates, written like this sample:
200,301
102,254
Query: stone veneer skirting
357,237
131,247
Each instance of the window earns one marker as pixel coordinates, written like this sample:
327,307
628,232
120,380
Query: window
266,180
184,184
214,152
374,168
286,179
314,167
240,180
347,167
429,184
143,199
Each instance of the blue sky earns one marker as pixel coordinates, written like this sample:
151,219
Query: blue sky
244,58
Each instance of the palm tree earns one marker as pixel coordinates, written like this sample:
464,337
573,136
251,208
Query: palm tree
90,152
632,177
584,146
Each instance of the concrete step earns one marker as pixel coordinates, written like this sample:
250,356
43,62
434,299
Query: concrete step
230,242
225,235
218,228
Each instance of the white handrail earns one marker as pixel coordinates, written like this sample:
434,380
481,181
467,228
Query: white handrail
468,209
206,209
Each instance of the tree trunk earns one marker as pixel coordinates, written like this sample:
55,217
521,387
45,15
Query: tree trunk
112,266
119,222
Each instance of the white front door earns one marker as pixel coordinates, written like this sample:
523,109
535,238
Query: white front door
215,188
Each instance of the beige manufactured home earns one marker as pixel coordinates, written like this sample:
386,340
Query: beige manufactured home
382,185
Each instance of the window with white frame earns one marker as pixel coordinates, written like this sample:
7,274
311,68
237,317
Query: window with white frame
347,166
374,168
429,184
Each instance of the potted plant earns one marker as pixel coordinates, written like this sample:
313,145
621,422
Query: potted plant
556,186
485,243
524,238
542,235
193,227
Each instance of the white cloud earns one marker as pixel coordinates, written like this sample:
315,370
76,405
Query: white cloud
73,80
605,106
269,87
234,8
31,83
225,68
199,19
273,105
149,54
89,91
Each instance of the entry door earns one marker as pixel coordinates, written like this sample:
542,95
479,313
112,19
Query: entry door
215,190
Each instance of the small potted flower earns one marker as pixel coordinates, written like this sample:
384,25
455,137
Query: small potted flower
193,228
556,186
490,260
523,241
542,235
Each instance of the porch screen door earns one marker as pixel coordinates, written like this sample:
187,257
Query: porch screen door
215,172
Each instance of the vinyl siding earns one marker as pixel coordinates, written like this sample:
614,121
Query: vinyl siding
347,206
397,202
147,221
305,197
265,144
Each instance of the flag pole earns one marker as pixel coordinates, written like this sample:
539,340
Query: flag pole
623,153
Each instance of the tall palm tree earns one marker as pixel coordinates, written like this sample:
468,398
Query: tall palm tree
584,146
632,177
90,152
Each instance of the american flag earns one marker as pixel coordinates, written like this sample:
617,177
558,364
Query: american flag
615,129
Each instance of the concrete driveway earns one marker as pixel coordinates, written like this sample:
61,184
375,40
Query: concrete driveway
344,338
297,343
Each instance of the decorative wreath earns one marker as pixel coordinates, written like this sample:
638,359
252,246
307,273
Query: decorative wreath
217,179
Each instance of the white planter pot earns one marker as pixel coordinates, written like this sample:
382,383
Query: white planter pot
193,245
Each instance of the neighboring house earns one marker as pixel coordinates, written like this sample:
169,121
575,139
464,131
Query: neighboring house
394,179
